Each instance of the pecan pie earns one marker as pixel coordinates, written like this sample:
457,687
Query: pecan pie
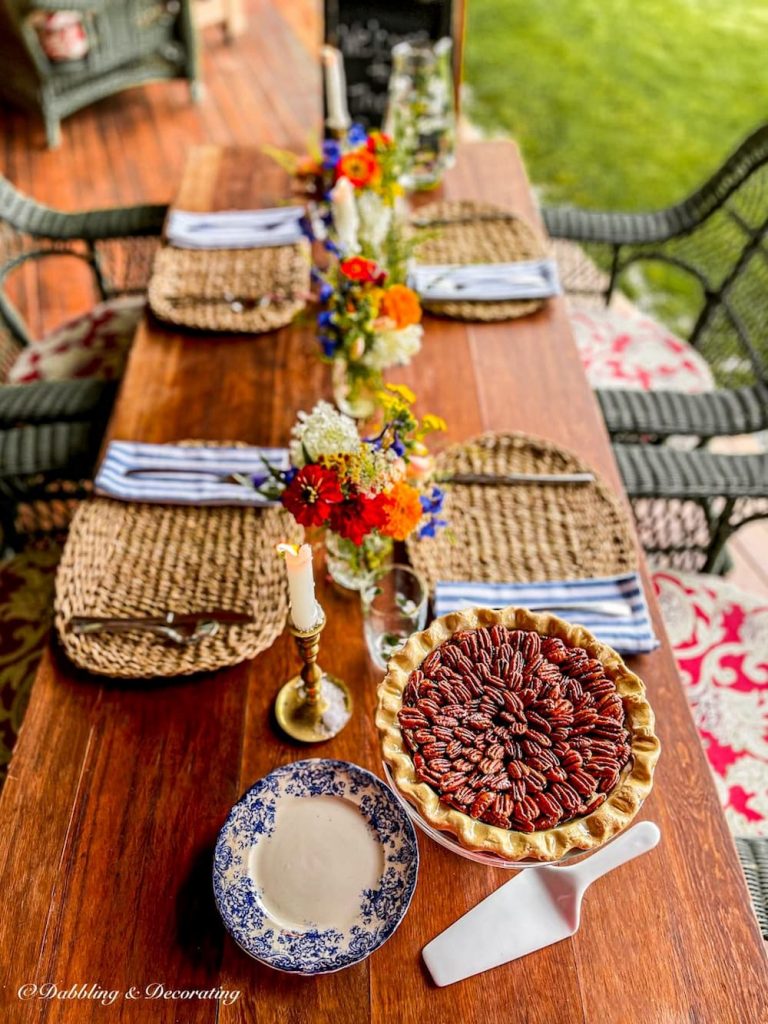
519,733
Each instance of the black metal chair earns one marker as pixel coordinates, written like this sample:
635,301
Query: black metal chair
717,242
50,431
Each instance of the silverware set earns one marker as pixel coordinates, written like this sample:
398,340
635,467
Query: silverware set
182,628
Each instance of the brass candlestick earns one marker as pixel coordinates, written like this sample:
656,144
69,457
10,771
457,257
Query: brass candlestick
312,706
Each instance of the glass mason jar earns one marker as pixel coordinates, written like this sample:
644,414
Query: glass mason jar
349,564
354,395
421,115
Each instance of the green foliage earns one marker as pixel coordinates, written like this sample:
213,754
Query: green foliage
619,104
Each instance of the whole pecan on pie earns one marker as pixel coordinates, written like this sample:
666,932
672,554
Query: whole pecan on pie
513,730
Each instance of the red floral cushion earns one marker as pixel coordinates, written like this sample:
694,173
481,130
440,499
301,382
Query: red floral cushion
720,638
93,345
633,351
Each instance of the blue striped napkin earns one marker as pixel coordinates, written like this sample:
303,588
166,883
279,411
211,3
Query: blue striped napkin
632,634
184,484
235,229
486,282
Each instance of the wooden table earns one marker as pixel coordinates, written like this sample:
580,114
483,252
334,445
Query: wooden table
116,793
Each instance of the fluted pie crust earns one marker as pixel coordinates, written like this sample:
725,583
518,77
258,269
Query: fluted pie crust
581,833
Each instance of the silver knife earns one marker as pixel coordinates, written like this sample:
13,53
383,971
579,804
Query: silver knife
100,623
491,480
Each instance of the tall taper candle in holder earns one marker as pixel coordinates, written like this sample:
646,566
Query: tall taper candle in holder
337,119
312,706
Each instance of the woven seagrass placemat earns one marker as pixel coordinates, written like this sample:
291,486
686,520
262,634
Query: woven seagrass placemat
129,559
466,232
244,290
523,532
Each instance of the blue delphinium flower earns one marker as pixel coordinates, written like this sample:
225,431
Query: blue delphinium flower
433,502
397,445
332,247
305,226
330,345
324,319
357,135
431,526
331,154
326,291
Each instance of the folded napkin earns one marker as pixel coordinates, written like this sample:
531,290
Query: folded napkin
486,282
183,483
630,634
235,229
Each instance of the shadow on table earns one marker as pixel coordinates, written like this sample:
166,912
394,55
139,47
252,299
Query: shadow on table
200,931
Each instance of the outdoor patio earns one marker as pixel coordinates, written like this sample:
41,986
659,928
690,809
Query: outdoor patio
176,150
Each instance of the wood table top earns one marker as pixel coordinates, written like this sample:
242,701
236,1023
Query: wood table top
116,792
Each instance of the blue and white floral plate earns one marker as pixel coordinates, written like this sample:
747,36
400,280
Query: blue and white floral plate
315,866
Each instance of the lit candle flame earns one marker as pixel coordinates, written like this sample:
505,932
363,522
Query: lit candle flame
287,549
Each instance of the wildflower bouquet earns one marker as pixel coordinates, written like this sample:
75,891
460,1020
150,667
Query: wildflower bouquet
367,324
368,491
370,319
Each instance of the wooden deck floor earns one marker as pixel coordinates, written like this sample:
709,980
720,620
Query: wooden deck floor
130,148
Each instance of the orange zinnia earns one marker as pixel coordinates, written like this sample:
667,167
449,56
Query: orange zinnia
360,166
401,304
402,511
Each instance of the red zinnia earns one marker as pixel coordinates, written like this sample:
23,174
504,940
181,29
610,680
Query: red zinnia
356,268
312,494
355,518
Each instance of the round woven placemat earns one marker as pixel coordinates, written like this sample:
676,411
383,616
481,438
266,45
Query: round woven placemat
469,232
523,532
191,287
130,559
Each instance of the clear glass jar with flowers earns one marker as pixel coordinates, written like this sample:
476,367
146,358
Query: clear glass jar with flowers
366,326
365,492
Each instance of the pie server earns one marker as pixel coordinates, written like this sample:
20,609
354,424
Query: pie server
539,907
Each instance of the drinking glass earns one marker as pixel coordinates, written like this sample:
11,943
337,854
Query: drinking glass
394,603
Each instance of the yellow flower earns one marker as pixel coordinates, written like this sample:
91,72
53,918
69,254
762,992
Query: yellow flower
402,391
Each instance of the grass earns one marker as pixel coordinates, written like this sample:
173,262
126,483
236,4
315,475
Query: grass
618,104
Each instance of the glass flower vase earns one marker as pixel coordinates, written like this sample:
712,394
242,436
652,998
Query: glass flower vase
350,564
354,395
421,113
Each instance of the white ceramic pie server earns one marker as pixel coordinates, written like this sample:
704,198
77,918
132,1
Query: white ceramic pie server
538,907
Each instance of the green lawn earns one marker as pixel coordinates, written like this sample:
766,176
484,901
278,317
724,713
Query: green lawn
618,103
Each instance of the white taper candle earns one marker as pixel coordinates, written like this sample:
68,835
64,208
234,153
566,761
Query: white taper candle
337,117
301,585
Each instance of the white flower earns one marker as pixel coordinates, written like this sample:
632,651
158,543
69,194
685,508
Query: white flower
345,217
375,219
324,431
394,348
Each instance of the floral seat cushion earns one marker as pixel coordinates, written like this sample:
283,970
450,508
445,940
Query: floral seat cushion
629,350
720,637
95,344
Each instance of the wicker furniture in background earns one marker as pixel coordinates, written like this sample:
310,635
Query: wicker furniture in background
129,42
688,503
50,431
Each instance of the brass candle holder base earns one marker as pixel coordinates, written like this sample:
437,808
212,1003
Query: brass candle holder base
312,706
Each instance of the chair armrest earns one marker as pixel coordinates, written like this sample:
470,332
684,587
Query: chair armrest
32,455
649,471
663,413
45,402
35,219
609,228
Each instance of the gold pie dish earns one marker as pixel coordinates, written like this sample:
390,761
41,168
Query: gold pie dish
429,680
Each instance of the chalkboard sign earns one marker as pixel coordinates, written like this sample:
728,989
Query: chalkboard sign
365,32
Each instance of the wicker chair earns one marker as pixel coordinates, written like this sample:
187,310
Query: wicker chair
130,42
717,241
50,431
